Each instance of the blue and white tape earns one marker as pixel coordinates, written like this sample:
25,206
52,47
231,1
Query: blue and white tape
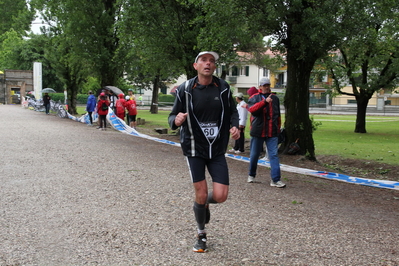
120,125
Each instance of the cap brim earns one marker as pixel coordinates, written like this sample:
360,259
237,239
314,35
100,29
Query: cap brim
214,54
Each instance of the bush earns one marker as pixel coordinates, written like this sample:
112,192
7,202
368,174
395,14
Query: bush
80,98
166,98
57,97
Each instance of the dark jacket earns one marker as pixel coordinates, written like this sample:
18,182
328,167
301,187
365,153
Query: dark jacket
265,118
46,99
192,138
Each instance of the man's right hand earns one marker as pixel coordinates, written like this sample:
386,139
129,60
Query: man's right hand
180,118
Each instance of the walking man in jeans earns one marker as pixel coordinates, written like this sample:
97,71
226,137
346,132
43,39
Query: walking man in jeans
265,127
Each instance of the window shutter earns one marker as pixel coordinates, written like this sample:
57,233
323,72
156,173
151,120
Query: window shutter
247,71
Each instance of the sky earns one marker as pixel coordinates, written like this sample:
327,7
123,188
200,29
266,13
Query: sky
36,24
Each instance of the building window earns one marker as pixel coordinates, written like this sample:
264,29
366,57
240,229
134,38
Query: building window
265,72
244,71
224,68
234,71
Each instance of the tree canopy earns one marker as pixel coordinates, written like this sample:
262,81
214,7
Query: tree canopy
368,57
16,15
151,42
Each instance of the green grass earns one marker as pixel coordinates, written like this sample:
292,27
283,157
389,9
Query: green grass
335,136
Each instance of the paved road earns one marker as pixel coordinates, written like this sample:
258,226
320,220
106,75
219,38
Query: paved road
73,195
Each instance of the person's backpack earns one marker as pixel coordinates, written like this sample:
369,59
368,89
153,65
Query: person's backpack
104,106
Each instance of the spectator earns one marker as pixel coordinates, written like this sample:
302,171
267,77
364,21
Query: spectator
46,103
242,114
265,127
130,94
90,107
141,100
112,100
131,107
102,110
120,106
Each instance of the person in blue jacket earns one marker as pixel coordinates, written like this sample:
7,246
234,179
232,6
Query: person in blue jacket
91,106
205,111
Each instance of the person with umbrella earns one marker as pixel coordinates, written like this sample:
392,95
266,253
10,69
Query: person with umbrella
46,102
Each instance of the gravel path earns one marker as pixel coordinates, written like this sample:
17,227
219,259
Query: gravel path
74,195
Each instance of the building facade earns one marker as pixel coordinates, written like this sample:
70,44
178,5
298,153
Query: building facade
14,84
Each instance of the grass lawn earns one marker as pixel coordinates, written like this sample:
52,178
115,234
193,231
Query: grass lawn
335,136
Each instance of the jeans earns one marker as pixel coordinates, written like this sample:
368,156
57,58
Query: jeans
47,106
272,150
90,117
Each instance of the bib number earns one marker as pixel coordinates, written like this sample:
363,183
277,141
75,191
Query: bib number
210,129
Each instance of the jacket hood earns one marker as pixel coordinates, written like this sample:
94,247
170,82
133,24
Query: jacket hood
121,96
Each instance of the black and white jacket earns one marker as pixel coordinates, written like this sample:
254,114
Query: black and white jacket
195,136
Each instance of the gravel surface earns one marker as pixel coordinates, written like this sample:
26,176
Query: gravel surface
74,195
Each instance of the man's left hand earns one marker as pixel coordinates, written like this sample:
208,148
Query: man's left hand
235,133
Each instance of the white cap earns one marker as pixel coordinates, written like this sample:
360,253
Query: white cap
239,95
215,55
264,81
127,97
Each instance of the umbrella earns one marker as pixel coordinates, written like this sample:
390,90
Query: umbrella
48,90
115,90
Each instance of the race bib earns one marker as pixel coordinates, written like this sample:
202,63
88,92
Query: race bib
210,129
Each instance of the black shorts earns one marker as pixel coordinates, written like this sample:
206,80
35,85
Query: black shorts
132,118
217,168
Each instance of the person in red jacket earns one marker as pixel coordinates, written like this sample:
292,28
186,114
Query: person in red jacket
120,106
132,111
102,110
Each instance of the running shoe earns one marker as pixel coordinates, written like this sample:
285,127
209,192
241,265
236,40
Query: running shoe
278,184
200,244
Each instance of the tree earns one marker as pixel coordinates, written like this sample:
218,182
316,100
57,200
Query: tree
92,30
304,31
369,58
16,15
20,53
71,70
9,42
89,32
164,41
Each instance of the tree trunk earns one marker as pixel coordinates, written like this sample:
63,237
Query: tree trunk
362,102
190,72
297,122
155,92
72,92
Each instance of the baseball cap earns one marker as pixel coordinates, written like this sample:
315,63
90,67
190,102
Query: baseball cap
102,94
215,55
264,81
127,97
239,95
